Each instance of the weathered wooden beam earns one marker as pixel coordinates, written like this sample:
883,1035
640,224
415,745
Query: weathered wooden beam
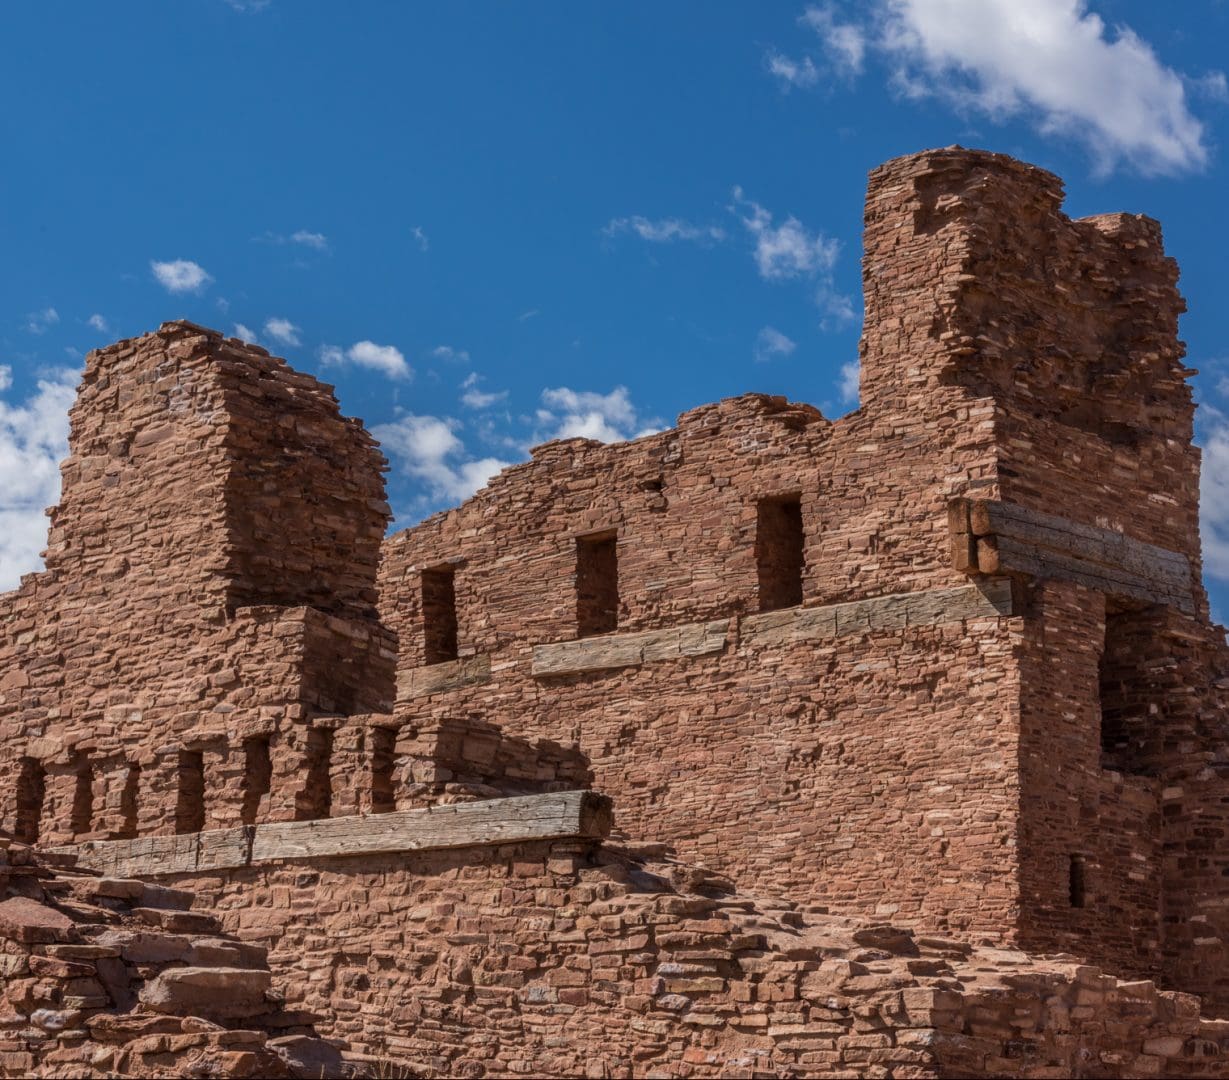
929,607
458,825
630,650
1008,538
437,678
522,819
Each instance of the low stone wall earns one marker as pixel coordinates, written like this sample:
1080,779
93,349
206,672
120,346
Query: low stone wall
565,959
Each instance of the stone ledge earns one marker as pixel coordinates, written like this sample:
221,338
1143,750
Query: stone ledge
630,650
555,816
436,678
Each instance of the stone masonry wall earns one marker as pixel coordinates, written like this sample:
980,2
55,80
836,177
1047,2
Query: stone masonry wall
564,960
175,624
1009,353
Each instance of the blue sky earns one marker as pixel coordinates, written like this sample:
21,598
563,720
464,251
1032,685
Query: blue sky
490,224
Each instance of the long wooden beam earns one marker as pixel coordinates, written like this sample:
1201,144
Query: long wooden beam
554,816
991,537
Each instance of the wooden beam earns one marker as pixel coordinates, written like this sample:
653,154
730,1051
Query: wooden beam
1014,539
555,816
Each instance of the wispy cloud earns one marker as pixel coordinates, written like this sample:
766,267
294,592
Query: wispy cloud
1052,63
420,238
451,355
791,73
180,275
300,237
771,343
38,322
282,331
244,333
843,43
664,230
33,441
851,375
525,316
584,414
386,359
99,323
474,398
785,250
430,451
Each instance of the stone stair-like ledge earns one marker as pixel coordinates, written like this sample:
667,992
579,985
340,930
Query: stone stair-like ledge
555,816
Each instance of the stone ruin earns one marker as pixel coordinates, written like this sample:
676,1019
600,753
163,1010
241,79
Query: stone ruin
913,723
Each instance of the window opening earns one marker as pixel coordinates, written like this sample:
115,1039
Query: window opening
383,759
315,799
190,805
1076,883
439,614
31,793
779,559
82,815
257,777
597,584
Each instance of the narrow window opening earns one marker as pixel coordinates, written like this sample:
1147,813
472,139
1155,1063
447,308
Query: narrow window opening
383,758
31,792
779,544
597,584
439,614
257,777
190,805
82,815
315,798
128,802
1133,657
1076,884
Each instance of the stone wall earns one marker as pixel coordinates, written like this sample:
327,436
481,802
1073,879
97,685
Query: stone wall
945,661
566,960
174,618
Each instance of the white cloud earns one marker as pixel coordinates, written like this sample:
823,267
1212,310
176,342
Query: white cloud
420,238
1214,492
838,308
583,414
525,316
38,322
851,375
1053,62
453,356
787,250
386,359
310,239
180,275
99,323
664,230
302,237
790,73
245,333
33,441
770,343
844,44
1213,86
474,398
430,451
283,331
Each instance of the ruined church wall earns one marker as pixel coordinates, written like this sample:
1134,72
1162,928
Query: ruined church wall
869,771
138,652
